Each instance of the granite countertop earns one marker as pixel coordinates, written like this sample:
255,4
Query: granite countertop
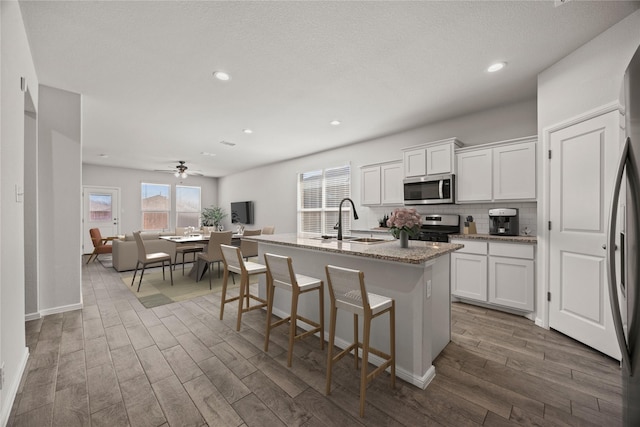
418,252
494,238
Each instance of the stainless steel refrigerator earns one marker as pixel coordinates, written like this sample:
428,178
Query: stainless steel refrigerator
624,284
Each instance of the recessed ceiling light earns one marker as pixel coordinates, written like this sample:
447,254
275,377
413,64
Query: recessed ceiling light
221,75
247,131
335,122
496,67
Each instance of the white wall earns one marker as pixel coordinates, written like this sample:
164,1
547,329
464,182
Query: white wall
588,78
59,199
129,180
16,62
272,188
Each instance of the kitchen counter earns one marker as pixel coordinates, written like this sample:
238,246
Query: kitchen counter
418,252
491,237
417,278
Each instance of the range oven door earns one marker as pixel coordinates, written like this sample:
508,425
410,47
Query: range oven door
429,190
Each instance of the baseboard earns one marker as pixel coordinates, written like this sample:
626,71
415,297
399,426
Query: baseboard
12,390
32,316
61,309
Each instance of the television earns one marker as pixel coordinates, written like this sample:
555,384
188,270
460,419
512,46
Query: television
242,212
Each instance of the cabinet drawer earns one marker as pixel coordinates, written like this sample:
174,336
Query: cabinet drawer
511,250
472,247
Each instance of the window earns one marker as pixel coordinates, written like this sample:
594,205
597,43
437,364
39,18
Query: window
319,196
156,205
187,206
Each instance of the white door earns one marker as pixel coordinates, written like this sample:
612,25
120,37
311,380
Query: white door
581,169
101,209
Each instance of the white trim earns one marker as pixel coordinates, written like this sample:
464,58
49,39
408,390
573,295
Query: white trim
61,309
12,391
32,316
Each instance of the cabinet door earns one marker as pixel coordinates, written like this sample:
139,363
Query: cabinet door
514,172
415,162
392,191
511,282
474,176
469,276
440,159
370,185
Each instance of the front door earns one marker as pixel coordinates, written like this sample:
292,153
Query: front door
101,209
582,167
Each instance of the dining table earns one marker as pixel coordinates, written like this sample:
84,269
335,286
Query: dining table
199,268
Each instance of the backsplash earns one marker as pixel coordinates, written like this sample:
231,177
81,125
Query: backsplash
479,211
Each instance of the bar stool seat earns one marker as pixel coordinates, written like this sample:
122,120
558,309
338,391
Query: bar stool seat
280,274
233,263
347,291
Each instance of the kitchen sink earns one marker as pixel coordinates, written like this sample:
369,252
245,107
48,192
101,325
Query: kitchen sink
368,240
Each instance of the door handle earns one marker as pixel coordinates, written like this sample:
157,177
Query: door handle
611,261
604,246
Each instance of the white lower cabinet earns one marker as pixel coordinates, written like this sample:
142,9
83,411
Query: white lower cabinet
496,273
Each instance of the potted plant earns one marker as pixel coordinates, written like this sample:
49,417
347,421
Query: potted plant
213,216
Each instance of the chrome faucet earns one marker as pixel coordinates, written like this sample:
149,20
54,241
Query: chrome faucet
355,215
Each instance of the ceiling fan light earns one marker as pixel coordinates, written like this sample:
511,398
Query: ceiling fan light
177,174
183,175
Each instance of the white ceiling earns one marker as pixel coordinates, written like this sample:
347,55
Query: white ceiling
144,69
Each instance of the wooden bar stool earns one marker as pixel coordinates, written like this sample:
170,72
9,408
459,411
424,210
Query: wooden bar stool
347,291
234,263
280,274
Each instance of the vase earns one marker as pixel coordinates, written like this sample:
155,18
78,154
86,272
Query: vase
404,239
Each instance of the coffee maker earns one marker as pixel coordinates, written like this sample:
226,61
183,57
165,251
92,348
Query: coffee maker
504,222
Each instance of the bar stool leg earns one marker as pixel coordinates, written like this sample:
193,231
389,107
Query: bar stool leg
321,296
244,283
223,297
270,295
293,320
392,334
355,339
332,335
366,330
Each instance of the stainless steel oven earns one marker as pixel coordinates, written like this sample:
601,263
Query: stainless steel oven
429,190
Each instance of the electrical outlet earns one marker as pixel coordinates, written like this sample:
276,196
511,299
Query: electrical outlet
2,376
428,289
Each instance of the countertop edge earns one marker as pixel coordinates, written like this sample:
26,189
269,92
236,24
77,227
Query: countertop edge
532,240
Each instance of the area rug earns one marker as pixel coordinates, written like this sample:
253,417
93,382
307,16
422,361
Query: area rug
155,292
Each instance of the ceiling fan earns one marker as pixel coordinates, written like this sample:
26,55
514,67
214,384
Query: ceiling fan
181,170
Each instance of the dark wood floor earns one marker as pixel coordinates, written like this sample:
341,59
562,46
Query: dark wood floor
116,363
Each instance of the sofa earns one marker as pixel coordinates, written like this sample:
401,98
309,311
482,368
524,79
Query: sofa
125,251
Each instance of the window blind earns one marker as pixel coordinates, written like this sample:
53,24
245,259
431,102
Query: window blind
319,196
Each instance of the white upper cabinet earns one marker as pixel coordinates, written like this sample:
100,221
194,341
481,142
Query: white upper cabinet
514,171
499,171
381,184
370,185
474,176
434,158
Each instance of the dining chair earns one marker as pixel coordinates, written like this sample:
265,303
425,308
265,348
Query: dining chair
347,291
145,259
100,245
213,253
232,258
185,249
268,229
280,274
249,249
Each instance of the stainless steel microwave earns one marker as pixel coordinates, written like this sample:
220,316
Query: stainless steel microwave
429,190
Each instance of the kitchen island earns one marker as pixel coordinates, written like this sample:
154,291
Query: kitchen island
416,277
